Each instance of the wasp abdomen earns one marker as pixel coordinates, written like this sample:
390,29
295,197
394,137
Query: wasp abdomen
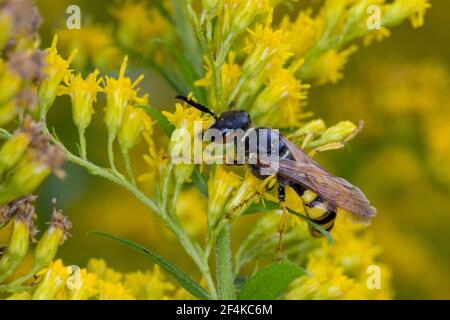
316,209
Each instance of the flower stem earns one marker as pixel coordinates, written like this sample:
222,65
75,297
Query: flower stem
111,138
128,167
224,267
192,249
82,139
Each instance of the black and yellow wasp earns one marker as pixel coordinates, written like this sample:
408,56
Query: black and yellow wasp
321,192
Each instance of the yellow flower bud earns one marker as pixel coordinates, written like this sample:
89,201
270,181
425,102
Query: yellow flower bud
400,10
264,45
28,175
9,80
135,121
221,185
20,296
8,112
119,94
182,172
336,133
83,93
18,245
314,127
12,150
251,190
56,234
53,280
238,15
56,70
5,29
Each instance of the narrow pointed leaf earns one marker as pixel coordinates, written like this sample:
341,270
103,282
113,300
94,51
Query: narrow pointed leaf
160,118
184,280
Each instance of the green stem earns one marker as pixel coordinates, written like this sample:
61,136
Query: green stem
128,166
5,134
223,264
189,246
216,69
111,138
82,139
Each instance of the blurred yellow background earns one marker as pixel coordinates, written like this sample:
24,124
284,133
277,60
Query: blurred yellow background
399,87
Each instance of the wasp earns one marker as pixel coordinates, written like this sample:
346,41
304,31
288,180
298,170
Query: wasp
321,192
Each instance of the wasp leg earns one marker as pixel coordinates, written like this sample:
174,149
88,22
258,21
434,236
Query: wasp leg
282,224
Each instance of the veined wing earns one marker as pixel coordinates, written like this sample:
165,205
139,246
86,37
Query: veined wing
337,191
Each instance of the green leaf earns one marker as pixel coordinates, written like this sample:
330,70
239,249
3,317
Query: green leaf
184,280
270,205
186,33
270,282
187,71
164,72
200,182
167,127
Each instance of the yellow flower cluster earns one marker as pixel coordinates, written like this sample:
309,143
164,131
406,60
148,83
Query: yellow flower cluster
267,79
26,159
94,45
123,118
21,63
98,281
136,25
20,213
343,270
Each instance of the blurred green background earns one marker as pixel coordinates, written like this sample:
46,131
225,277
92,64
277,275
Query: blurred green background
399,87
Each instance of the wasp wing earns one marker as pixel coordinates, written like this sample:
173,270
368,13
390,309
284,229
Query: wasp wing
338,192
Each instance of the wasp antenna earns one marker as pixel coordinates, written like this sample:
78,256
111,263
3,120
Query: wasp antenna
196,105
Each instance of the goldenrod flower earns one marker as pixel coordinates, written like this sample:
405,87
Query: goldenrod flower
83,93
135,121
282,96
120,93
221,185
265,45
313,127
86,289
151,285
5,29
337,133
101,269
138,24
30,168
13,150
189,124
19,242
251,190
376,35
56,234
95,45
399,10
303,32
191,211
8,79
57,70
230,74
53,280
328,68
237,15
113,291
